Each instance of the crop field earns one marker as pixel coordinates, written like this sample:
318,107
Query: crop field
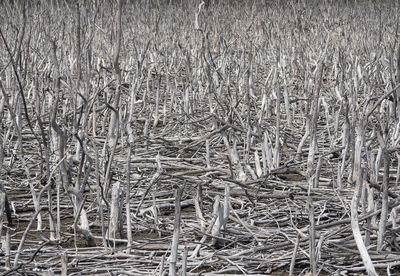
217,137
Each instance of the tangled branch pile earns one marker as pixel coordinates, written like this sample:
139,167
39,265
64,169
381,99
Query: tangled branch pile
140,137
